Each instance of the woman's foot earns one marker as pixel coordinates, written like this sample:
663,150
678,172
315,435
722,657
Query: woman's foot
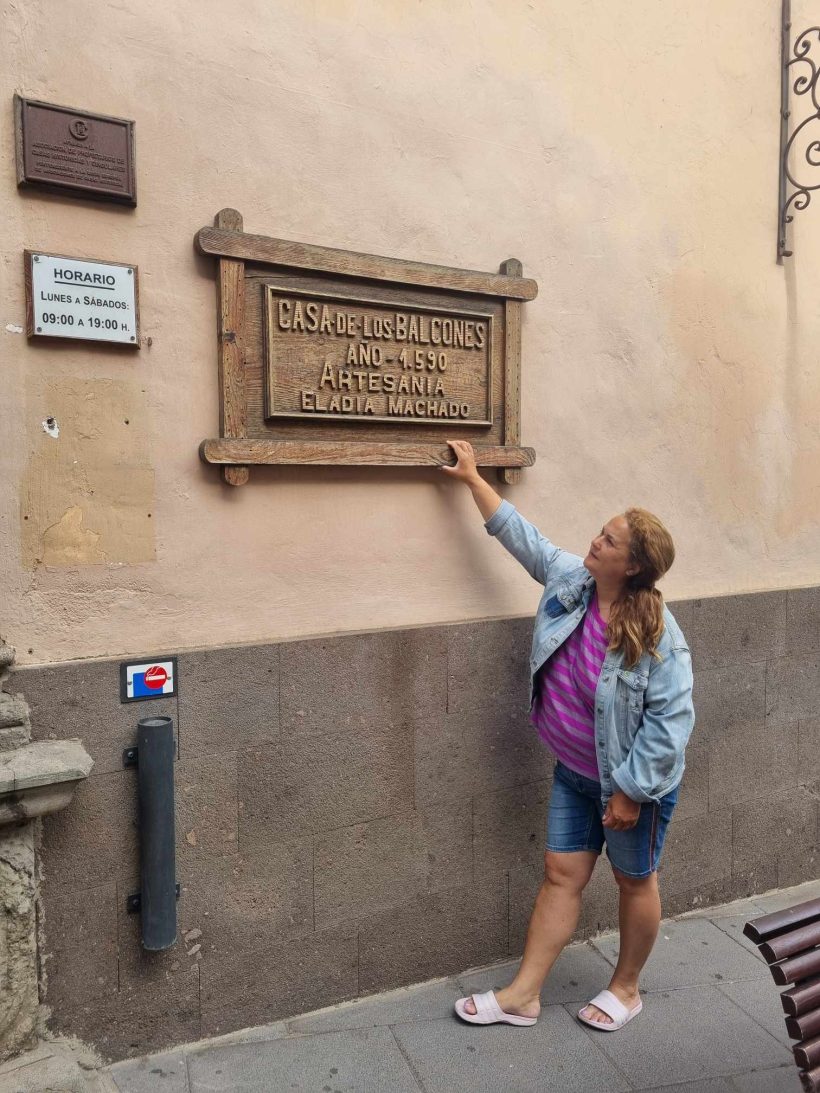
629,997
511,1003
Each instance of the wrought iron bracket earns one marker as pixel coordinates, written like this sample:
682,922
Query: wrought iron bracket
797,149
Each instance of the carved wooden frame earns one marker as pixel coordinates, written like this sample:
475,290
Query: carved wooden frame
235,451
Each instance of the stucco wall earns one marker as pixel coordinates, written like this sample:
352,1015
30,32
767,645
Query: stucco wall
626,154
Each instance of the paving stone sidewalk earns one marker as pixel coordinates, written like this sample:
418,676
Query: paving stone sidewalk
712,1023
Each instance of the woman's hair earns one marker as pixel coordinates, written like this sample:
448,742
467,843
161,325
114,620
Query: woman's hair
636,619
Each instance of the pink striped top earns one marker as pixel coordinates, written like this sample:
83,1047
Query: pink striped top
564,711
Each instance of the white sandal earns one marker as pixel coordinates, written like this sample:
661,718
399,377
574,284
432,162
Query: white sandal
488,1012
613,1007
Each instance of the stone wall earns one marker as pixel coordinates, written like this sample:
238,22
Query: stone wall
359,812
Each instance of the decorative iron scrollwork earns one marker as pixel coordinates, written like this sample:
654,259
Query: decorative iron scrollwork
799,151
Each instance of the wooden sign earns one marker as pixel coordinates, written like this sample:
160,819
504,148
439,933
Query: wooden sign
63,150
333,357
81,299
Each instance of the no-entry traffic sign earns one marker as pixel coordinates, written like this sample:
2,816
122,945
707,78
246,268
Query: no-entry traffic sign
148,679
156,677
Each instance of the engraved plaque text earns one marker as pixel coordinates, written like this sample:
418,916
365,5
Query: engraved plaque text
67,150
354,360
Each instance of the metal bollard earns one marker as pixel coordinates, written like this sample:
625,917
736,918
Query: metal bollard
155,772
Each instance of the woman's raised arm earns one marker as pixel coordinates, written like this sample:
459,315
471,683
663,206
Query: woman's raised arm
521,538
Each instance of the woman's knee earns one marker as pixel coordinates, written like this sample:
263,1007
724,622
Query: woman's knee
635,884
570,870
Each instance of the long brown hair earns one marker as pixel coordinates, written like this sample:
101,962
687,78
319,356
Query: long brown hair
636,619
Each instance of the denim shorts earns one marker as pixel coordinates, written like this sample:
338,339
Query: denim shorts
574,823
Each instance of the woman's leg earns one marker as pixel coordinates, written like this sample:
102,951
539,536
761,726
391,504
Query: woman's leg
639,916
552,924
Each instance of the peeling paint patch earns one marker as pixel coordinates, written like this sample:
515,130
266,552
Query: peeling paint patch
13,329
68,543
51,427
87,500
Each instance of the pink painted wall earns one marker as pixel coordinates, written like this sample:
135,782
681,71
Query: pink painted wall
627,156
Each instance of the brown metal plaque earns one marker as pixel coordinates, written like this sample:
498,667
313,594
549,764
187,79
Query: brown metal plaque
328,357
73,151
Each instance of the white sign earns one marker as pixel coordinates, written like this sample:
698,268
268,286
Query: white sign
80,298
152,679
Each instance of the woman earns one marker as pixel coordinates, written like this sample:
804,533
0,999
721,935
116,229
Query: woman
611,696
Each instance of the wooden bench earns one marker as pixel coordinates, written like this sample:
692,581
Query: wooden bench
788,940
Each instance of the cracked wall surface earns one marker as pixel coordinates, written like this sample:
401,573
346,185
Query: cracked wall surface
627,157
19,991
35,779
19,996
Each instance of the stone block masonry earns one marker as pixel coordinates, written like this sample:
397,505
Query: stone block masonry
364,811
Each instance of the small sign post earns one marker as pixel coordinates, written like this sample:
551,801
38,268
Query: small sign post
82,299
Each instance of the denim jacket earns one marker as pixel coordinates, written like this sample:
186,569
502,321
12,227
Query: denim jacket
644,715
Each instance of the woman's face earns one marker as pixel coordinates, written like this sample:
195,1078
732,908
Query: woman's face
608,557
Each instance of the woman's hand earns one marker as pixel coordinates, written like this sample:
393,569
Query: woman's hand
465,469
621,812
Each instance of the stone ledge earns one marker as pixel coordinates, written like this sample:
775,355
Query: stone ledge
43,763
13,710
39,778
